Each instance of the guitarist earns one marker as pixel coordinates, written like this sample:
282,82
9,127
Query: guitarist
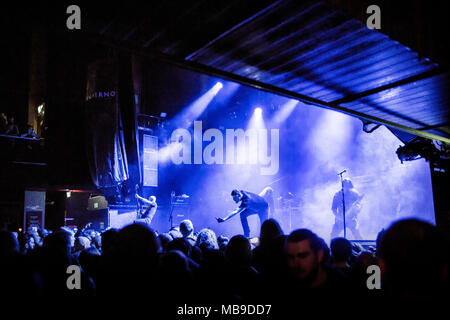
352,209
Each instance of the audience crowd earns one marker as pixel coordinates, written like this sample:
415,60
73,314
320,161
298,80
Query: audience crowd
10,128
185,266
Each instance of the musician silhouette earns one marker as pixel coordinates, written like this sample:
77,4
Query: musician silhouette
146,217
352,208
251,203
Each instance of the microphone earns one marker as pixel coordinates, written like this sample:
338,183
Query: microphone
342,172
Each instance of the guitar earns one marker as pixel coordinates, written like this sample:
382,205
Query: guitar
352,212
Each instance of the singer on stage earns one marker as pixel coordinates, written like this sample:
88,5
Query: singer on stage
251,204
352,208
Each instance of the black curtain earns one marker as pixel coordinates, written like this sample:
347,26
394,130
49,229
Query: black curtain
105,140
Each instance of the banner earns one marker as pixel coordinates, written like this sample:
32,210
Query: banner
105,145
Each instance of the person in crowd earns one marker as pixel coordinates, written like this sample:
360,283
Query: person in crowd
175,232
180,244
30,133
270,230
34,232
81,243
223,242
206,238
109,240
164,239
16,274
310,278
12,128
341,250
413,257
358,274
52,263
71,237
241,277
187,230
26,242
89,259
3,123
175,277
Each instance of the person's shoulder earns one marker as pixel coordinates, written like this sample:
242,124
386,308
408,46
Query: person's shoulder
245,194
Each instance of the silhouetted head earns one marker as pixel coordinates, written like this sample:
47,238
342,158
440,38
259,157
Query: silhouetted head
238,251
174,274
137,242
207,239
347,183
109,239
341,249
82,243
237,195
179,244
89,259
223,242
164,239
413,257
59,241
270,229
186,227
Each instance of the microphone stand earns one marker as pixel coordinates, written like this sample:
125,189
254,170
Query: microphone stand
172,199
343,202
138,204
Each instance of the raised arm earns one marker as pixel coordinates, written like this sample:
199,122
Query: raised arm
231,215
143,199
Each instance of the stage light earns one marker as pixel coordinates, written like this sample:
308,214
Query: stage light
256,120
192,112
163,114
284,112
40,109
416,149
68,194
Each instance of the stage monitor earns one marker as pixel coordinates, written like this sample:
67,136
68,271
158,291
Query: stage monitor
150,160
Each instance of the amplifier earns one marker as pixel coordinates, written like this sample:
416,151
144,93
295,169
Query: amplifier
180,208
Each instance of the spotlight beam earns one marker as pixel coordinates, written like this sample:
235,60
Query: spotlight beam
192,112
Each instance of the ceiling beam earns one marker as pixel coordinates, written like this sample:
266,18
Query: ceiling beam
239,25
417,77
